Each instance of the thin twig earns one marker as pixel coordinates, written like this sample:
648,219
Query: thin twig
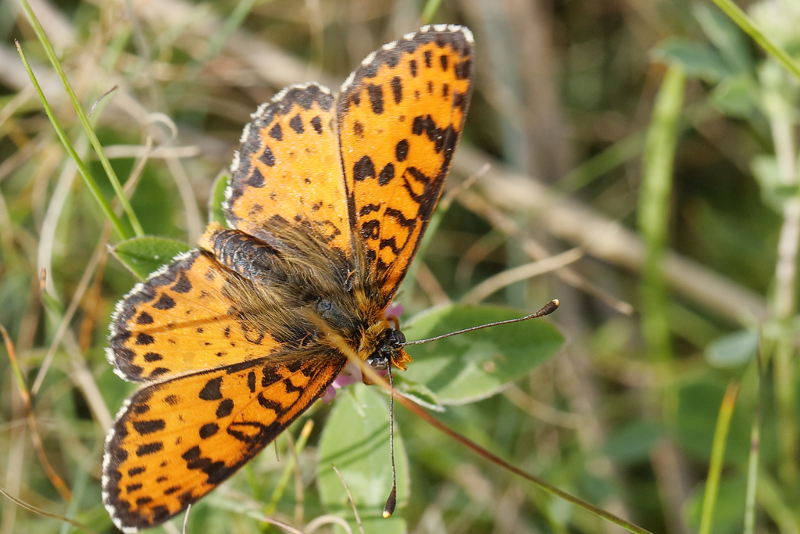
36,438
511,276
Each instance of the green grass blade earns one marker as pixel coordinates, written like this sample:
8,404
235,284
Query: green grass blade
83,170
84,119
610,158
717,456
429,11
749,27
752,472
659,153
288,469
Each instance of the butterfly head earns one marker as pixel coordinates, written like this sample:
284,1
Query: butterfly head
389,351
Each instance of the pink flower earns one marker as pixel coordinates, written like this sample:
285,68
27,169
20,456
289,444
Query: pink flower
351,374
393,310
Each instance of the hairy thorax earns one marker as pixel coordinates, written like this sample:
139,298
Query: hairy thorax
307,295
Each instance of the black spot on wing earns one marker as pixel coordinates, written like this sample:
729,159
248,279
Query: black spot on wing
211,390
144,339
460,100
386,174
296,124
316,123
158,371
363,169
397,89
401,150
208,430
149,426
366,209
144,318
165,302
149,448
276,132
224,408
462,69
375,93
268,159
183,285
371,229
251,381
216,471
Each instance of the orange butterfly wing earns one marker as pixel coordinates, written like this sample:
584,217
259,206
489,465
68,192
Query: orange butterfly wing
182,319
311,176
398,120
175,441
287,170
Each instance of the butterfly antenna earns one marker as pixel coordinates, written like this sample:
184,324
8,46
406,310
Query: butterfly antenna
547,309
391,500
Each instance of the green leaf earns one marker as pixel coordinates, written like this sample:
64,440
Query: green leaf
733,350
356,441
144,255
217,198
697,59
417,392
726,37
736,96
473,366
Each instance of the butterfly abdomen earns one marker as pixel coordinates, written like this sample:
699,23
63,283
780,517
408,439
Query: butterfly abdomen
243,254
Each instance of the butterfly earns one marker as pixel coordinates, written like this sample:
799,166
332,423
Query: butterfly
328,200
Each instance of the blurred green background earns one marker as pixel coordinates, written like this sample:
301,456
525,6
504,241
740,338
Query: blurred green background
637,160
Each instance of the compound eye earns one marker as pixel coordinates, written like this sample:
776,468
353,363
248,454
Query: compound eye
396,338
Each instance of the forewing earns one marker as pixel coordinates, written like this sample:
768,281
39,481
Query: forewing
182,319
175,441
399,117
287,170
